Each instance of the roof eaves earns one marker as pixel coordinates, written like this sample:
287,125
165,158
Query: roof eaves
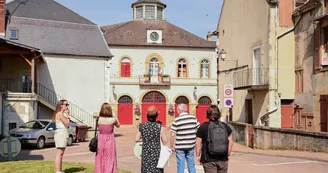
163,45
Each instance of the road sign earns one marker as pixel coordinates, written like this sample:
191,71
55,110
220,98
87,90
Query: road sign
10,147
228,102
228,91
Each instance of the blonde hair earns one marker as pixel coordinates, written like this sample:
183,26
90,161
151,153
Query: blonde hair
106,110
58,109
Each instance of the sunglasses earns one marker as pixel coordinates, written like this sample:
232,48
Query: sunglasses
66,104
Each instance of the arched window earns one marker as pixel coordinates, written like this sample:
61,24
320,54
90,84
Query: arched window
154,68
182,68
204,69
125,67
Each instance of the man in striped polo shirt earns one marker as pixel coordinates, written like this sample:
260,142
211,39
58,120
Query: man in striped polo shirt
183,137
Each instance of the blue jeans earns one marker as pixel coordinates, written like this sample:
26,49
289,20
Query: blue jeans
187,155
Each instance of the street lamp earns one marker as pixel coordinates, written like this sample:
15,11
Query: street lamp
195,90
223,54
113,88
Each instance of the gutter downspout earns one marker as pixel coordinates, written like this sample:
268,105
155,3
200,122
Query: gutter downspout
264,118
266,115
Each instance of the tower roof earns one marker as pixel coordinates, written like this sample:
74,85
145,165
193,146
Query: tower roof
149,1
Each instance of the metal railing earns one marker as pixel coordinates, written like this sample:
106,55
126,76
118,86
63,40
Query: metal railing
251,77
155,80
6,84
76,112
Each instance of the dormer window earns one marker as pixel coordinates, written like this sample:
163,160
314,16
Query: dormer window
14,34
148,9
159,13
139,12
150,12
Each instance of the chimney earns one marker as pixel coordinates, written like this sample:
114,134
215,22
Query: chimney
209,36
2,17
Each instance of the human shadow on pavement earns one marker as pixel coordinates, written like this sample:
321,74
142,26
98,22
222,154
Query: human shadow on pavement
72,170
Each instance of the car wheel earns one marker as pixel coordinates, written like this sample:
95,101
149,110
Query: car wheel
41,143
70,141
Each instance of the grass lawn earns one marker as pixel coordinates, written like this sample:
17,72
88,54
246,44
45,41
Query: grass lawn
45,167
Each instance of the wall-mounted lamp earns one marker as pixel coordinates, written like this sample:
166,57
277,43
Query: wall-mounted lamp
195,90
113,88
222,54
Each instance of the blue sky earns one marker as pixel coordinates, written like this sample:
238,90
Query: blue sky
196,16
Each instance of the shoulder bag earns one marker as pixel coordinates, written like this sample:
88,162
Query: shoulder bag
93,145
165,154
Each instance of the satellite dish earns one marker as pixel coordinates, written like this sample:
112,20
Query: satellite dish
137,150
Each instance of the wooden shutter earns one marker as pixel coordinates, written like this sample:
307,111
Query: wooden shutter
317,40
285,13
123,69
323,113
127,69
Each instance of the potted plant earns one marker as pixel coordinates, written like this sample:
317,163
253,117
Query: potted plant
166,78
137,111
171,109
147,78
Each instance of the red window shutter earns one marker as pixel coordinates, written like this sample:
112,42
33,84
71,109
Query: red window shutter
123,69
285,12
317,59
127,69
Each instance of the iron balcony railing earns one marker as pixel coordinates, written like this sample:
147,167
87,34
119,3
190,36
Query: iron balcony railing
251,77
154,80
6,84
76,112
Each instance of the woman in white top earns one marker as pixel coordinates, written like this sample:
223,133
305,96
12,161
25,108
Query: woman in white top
61,133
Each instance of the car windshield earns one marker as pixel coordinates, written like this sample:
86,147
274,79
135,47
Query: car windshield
32,125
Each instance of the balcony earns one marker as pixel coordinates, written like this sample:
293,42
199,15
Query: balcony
154,80
17,86
252,79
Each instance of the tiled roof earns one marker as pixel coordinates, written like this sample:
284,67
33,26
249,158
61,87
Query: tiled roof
134,33
53,28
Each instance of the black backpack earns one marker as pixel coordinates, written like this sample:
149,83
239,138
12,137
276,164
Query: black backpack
217,139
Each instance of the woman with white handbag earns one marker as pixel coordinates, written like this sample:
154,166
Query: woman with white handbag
152,136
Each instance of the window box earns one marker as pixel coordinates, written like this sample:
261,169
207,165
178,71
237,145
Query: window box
166,78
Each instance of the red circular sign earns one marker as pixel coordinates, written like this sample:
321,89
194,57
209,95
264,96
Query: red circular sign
228,91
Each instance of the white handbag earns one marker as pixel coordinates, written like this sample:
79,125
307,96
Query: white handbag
164,156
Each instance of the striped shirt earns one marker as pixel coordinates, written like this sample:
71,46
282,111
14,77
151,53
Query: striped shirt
185,126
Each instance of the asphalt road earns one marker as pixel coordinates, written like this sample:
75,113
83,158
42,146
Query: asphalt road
239,162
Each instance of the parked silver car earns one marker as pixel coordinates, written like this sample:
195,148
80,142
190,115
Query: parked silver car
40,132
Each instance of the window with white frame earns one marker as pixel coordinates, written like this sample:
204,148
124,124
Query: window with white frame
150,12
159,13
139,12
204,69
182,68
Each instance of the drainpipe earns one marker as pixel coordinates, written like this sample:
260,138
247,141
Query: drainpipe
264,119
266,115
2,111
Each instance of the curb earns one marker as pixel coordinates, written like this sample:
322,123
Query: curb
279,155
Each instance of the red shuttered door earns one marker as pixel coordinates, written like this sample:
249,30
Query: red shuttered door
158,100
125,110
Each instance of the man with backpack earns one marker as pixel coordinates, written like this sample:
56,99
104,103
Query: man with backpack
214,142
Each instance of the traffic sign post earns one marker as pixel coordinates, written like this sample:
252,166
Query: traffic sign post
228,91
10,147
228,102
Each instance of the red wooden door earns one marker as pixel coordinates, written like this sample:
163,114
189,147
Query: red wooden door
181,100
125,110
287,116
203,103
158,100
323,113
201,113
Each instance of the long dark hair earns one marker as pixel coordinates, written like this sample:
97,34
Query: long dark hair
213,113
58,109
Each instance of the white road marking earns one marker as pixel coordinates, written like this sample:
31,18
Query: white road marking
283,163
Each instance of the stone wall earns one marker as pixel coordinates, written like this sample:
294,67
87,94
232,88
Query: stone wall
277,138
